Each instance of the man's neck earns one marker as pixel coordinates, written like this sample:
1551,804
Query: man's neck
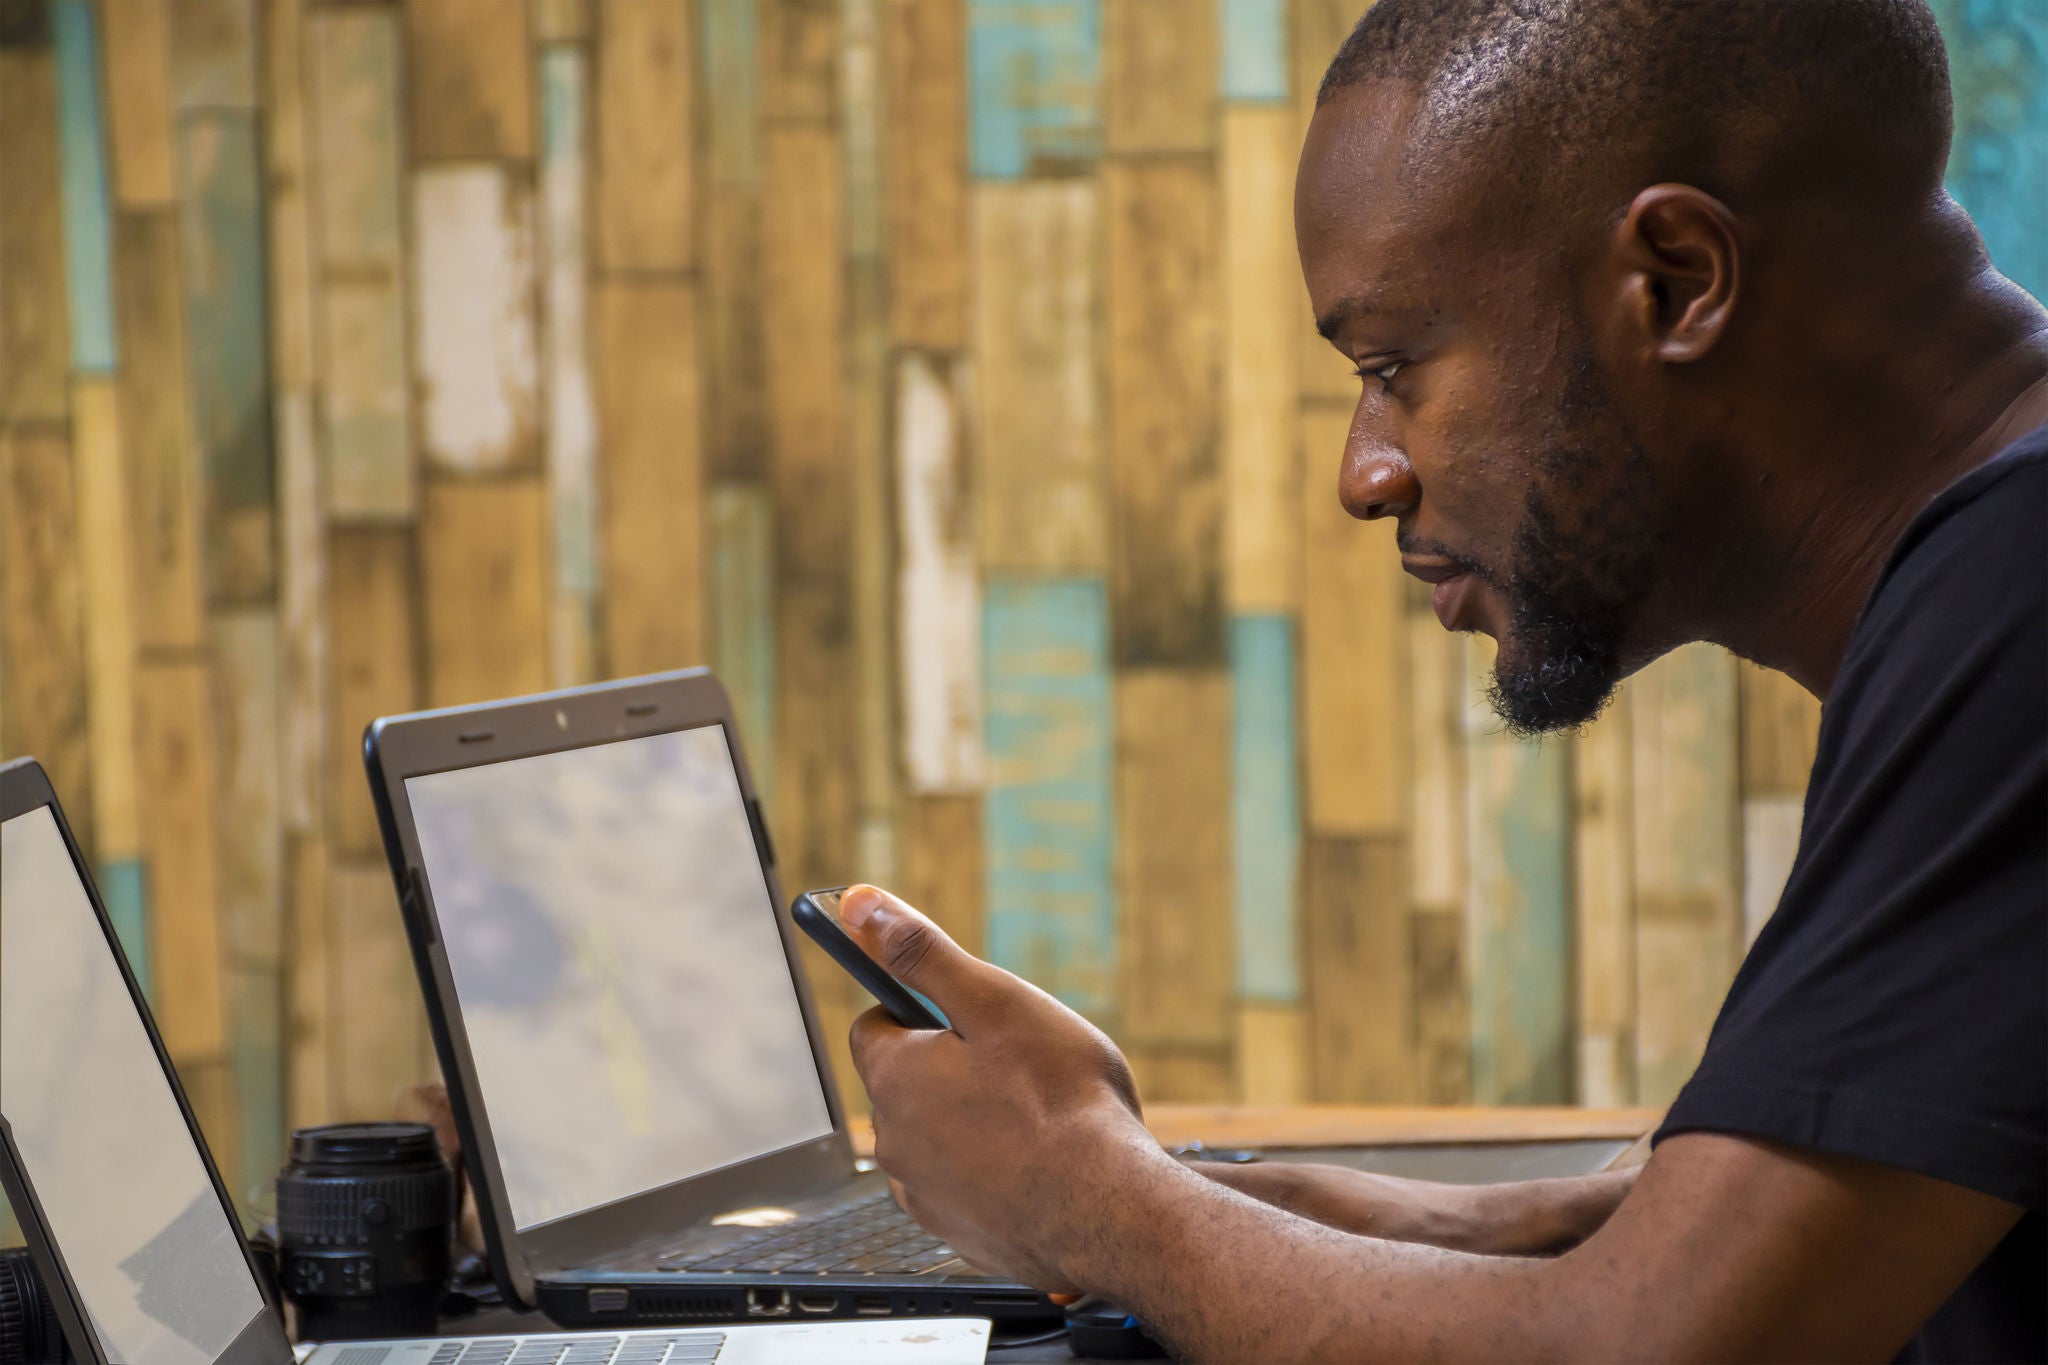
1959,393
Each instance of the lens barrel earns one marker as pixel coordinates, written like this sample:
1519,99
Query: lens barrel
29,1331
365,1215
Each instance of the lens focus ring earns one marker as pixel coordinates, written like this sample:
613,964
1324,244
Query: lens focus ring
351,1210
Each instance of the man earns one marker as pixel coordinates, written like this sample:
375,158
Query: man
1666,332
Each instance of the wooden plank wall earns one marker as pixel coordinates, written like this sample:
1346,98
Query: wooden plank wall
939,371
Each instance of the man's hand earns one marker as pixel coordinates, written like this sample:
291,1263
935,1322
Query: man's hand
978,1126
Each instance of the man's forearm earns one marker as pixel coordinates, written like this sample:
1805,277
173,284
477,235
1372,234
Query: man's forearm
1227,1278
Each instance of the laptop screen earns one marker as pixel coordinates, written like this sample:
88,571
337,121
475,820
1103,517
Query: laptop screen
154,1254
631,1013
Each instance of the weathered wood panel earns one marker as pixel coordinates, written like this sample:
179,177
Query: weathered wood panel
642,138
1255,49
288,237
924,56
473,286
731,250
652,477
939,591
1034,85
742,584
175,757
1604,850
1272,1054
1360,989
1354,646
1770,843
1041,478
1780,722
87,210
352,99
1443,1008
43,662
1048,815
1266,808
1437,686
156,425
301,609
800,47
370,985
35,327
371,670
1319,29
469,79
483,578
1174,878
1159,75
940,865
139,124
1164,425
227,357
124,891
213,54
571,414
367,427
1262,310
310,1005
107,601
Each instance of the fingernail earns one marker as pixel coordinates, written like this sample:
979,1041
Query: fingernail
857,905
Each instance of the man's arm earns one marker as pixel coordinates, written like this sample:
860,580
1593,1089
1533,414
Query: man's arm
1015,1136
1518,1218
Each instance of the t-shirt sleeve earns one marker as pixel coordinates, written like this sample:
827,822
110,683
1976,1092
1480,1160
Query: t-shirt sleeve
1895,1007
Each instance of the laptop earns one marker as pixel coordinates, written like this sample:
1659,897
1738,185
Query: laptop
636,1070
125,1215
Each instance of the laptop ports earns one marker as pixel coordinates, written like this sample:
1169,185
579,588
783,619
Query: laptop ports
872,1305
817,1303
767,1303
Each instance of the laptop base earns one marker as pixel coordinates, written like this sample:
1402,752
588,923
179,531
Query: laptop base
686,1300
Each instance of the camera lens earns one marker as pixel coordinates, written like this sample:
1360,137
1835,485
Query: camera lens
365,1213
29,1331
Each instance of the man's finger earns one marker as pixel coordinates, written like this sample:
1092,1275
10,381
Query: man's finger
913,950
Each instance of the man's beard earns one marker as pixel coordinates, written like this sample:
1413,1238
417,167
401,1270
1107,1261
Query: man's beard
1573,588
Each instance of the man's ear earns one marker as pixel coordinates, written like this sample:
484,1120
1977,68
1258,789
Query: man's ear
1680,259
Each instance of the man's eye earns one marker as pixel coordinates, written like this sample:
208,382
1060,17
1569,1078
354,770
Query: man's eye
1384,373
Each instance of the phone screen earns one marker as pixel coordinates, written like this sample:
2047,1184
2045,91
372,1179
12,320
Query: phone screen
828,901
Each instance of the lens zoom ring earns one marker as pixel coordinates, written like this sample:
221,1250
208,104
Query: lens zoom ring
308,1208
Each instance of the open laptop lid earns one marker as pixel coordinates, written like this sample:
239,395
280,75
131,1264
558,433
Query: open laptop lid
610,976
100,1155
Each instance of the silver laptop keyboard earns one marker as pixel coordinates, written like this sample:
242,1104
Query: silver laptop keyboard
664,1348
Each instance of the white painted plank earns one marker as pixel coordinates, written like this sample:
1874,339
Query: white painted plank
940,598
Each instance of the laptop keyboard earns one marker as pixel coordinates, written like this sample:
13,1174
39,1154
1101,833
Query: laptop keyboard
870,1237
642,1348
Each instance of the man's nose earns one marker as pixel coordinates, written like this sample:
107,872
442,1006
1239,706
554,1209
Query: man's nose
1377,482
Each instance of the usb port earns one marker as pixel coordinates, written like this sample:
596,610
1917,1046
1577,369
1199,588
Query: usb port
608,1300
872,1305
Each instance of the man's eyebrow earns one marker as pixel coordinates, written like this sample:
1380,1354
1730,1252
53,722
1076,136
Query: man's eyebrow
1343,311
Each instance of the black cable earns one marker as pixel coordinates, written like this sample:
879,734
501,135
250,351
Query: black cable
1041,1339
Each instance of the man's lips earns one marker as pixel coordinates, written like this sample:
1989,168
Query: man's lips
1454,587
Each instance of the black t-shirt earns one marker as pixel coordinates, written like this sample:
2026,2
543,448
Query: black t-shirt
1895,1006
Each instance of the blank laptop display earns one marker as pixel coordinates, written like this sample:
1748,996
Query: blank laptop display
156,1260
618,968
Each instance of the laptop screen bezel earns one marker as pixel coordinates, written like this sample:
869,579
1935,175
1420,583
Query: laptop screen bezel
25,788
397,748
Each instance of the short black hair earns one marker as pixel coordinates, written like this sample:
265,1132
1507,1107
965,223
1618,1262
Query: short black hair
1738,97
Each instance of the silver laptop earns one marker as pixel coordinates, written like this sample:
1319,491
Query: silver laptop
125,1214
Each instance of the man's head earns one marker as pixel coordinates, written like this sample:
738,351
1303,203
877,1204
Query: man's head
1565,243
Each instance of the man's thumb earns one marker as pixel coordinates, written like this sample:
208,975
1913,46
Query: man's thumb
908,946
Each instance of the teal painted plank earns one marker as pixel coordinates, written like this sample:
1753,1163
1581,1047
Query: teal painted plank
1998,162
1265,808
1034,71
123,892
257,1055
227,355
88,232
1254,49
1047,816
743,619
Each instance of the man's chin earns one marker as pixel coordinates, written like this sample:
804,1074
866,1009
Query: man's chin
1555,694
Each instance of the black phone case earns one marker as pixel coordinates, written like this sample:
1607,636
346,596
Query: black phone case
826,933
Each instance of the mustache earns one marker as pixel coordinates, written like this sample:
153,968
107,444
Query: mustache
1415,545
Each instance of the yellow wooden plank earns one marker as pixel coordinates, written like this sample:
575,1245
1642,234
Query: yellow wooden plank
1443,1009
43,662
1780,728
560,21
371,598
1356,710
651,475
250,872
880,560
374,998
800,45
1176,936
483,576
35,331
804,312
642,135
924,55
1042,482
175,758
1436,675
1159,75
136,37
1272,1053
467,71
301,608
1263,310
1770,843
1164,364
287,243
108,583
940,865
353,120
1604,856
1185,1075
163,465
1319,28
308,1008
213,54
1361,990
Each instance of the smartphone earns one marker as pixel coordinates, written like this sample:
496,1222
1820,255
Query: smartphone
817,914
